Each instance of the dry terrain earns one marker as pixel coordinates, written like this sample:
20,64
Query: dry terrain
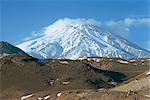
27,78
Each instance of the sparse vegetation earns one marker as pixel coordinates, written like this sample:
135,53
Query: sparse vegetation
26,75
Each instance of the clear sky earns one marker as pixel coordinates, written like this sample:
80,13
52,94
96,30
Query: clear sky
128,18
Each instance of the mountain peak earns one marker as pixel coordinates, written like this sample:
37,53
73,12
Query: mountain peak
74,22
69,23
74,38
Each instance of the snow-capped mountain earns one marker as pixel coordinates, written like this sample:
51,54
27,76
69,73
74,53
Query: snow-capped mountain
74,38
8,49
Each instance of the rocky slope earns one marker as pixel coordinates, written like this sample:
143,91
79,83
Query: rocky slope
74,79
8,49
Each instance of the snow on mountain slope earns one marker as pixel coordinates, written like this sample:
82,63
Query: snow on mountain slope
74,38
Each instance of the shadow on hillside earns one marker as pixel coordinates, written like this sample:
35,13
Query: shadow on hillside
116,76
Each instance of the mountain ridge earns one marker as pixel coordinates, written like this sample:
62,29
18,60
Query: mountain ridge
8,49
74,38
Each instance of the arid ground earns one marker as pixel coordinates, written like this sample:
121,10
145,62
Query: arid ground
27,78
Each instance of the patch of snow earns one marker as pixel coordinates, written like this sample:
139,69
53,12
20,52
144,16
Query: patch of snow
96,59
88,59
47,97
122,61
57,79
5,54
148,59
65,83
132,60
101,89
142,60
26,97
64,62
82,58
40,98
148,95
148,73
59,94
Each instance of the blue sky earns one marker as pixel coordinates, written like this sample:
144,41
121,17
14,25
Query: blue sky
128,18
